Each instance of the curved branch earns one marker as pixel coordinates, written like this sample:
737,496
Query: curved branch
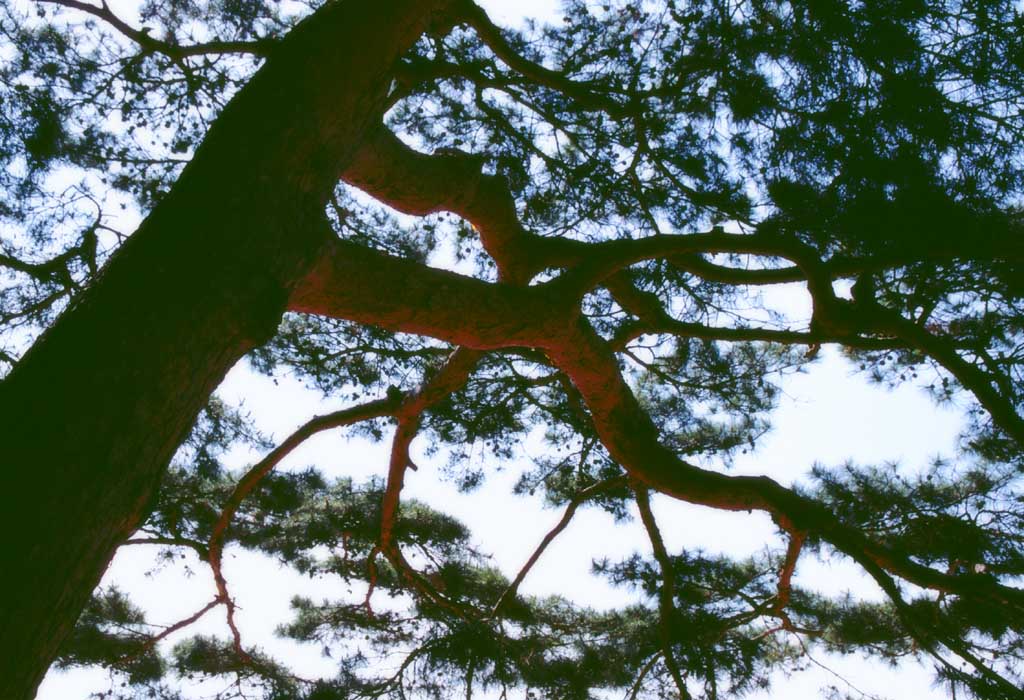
45,271
260,47
634,691
941,349
171,629
929,639
652,318
843,319
199,548
671,326
632,439
666,591
347,283
696,265
416,183
450,378
419,184
249,481
785,586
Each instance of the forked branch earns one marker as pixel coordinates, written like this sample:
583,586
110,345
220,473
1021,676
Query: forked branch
251,479
667,589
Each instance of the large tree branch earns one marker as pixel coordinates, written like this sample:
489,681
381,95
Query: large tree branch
632,439
346,281
491,316
416,183
485,316
417,74
696,265
419,184
357,284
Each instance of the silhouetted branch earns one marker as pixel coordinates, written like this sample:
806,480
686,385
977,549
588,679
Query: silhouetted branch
143,39
667,589
574,503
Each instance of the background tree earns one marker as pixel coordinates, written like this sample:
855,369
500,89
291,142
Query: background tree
623,186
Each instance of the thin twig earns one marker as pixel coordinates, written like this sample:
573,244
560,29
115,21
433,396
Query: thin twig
577,500
252,478
666,592
180,624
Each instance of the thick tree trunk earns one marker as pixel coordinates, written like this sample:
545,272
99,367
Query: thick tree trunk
95,410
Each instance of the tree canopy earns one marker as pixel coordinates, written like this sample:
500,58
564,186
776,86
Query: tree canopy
479,234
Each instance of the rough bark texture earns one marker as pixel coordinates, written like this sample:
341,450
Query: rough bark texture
95,410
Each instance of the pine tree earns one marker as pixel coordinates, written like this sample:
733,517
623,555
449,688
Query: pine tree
614,191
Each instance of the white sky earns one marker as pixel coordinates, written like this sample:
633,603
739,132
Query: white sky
826,416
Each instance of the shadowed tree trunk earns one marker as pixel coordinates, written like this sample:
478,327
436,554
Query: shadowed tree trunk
95,410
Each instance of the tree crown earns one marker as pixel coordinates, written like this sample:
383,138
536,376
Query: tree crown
615,199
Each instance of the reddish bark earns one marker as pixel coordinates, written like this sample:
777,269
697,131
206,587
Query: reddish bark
93,413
